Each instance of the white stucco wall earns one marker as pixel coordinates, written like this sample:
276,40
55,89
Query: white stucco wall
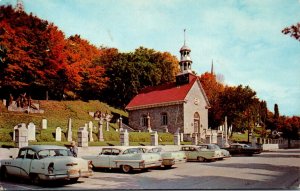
190,108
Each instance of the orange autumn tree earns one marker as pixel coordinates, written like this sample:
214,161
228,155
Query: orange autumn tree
86,77
213,90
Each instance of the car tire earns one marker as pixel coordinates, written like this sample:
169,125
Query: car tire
201,159
126,168
74,180
4,174
35,179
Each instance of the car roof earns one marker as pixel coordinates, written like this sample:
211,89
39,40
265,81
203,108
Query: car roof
43,147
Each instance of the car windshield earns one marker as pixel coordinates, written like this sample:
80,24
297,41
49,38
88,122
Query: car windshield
132,151
155,150
54,153
213,147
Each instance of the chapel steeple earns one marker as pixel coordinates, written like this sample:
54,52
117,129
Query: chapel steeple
185,63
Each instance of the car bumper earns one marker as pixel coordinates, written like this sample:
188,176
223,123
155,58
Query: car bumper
151,164
69,175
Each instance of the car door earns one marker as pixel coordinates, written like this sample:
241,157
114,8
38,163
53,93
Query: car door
113,157
102,159
13,166
26,163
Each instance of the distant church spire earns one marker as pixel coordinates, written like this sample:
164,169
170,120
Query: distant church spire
19,6
185,63
212,67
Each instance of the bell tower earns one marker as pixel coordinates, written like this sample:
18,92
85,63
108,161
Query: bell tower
185,64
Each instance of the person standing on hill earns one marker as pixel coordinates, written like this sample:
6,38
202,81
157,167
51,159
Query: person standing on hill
74,149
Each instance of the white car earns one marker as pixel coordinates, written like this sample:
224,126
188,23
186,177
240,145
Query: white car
214,147
46,162
169,158
125,158
201,153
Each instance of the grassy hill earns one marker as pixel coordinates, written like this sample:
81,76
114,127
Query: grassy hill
57,114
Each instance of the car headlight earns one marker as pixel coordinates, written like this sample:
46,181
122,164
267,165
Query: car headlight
51,168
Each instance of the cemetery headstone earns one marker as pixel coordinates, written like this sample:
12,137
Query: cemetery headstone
58,134
44,123
31,131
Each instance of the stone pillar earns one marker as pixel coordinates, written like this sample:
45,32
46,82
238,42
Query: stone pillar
148,123
31,131
91,139
69,132
154,138
253,141
176,138
220,139
44,123
194,139
100,130
226,144
124,138
208,139
17,127
214,137
58,134
83,137
181,137
21,137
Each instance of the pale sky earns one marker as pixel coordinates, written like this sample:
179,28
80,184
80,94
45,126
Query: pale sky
243,38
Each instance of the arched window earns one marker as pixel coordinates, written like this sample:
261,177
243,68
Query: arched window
196,122
164,119
143,121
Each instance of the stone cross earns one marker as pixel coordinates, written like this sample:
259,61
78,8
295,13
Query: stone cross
69,132
148,123
107,119
100,130
120,124
21,138
58,134
154,138
31,131
91,139
44,123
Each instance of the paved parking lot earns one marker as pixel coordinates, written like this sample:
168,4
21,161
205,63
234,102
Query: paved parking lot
269,170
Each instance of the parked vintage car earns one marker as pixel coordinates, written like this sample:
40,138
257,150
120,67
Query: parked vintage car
214,147
46,162
201,153
125,158
238,148
169,158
